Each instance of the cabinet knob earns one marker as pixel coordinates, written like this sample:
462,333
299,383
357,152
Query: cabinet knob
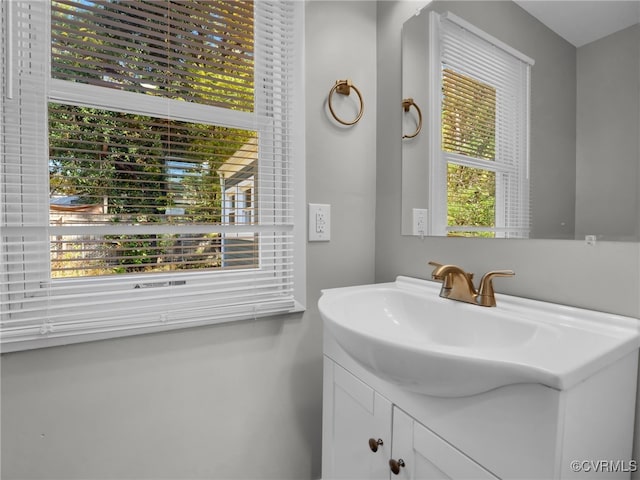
396,465
373,444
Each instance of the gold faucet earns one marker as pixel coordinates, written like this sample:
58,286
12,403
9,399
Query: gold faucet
458,284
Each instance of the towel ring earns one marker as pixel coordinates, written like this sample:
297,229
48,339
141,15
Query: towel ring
407,103
343,87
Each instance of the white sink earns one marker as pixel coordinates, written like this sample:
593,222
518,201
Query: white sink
405,333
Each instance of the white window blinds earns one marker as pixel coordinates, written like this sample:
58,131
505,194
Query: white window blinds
147,166
483,88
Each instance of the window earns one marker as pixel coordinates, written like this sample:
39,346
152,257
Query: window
147,166
479,167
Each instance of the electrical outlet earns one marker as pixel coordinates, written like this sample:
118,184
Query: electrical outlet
420,221
319,222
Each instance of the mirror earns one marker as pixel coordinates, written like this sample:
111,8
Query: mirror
584,112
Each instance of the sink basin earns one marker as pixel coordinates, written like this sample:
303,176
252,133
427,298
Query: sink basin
405,333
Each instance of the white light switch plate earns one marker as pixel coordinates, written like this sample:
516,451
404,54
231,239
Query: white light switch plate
319,222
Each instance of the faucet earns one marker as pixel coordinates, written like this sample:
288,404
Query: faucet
458,284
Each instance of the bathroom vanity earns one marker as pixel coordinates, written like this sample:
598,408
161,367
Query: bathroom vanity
569,417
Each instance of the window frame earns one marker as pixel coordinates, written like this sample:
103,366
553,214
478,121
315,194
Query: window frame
79,94
507,175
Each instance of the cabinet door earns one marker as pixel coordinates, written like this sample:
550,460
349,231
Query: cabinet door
353,414
426,456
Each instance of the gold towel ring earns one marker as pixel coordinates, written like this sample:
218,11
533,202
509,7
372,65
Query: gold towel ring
407,103
344,87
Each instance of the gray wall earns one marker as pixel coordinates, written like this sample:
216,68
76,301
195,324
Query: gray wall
241,400
608,126
602,277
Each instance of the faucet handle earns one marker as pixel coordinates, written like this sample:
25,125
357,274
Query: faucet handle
486,293
438,265
446,279
500,273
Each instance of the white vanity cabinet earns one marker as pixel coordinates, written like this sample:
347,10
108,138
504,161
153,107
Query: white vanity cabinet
520,431
527,390
358,420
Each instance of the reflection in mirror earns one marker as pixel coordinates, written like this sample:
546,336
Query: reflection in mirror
583,165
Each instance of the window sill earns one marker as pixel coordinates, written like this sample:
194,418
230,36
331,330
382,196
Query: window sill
62,340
